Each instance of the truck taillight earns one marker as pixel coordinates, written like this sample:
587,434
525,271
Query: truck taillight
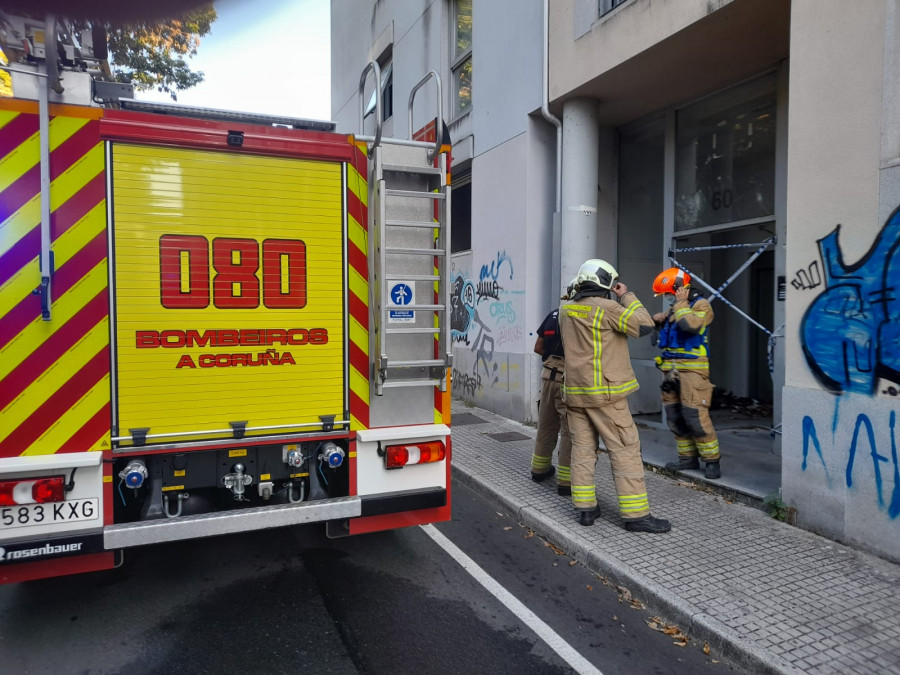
398,456
32,491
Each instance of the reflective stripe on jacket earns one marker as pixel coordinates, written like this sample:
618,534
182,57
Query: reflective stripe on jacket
595,334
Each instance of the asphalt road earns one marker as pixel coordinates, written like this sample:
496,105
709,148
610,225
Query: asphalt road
292,601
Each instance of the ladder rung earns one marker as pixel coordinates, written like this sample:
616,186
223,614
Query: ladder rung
412,277
415,364
412,223
404,168
414,251
428,308
414,193
411,383
411,331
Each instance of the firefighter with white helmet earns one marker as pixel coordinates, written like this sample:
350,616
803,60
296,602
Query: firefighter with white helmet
595,329
552,424
686,389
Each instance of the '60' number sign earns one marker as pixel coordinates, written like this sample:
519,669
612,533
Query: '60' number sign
242,272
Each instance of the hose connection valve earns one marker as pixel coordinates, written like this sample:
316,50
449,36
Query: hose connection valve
134,474
332,455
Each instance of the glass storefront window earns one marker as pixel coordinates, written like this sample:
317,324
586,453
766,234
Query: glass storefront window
725,157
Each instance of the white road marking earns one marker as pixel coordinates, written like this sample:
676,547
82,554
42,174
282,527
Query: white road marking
566,651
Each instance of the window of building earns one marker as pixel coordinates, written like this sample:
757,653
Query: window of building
461,224
387,90
725,157
461,61
610,5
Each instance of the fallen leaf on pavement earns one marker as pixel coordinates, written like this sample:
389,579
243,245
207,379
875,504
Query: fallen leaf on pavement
508,527
706,648
572,563
529,535
589,587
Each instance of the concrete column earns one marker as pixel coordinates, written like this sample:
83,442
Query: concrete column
580,171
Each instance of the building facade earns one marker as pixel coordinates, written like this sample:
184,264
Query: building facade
756,143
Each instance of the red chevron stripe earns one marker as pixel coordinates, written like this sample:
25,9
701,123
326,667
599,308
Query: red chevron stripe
359,360
29,308
356,209
52,348
20,192
78,205
358,260
56,406
92,431
17,131
359,409
65,216
74,148
359,310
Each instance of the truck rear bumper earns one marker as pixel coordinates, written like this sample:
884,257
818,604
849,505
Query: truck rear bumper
127,535
228,522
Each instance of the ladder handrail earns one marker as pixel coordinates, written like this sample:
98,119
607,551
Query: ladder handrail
373,66
438,119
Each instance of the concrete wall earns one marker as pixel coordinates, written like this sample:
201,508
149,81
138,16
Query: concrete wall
840,457
504,282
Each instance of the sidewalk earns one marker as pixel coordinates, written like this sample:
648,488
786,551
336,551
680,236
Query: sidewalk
774,598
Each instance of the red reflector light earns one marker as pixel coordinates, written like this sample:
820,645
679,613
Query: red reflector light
396,456
32,491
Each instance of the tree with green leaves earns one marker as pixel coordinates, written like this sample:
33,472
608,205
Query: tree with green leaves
155,54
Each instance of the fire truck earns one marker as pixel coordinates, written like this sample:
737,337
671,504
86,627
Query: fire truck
212,322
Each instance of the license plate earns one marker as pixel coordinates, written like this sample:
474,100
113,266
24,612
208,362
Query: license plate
49,514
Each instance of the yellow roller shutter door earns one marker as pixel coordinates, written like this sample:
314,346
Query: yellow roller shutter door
229,290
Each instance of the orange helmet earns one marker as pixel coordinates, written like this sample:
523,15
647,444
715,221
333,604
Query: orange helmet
668,280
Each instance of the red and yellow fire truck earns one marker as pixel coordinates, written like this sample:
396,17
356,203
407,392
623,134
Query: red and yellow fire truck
213,323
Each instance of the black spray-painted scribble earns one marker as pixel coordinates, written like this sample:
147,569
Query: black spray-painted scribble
465,384
809,278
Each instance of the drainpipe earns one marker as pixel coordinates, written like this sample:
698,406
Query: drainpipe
556,257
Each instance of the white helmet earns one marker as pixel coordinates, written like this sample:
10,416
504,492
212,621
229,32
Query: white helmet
598,272
569,290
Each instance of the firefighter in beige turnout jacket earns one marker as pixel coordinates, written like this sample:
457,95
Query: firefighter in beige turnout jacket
686,389
595,330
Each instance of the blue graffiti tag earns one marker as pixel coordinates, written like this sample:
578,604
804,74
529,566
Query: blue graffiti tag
851,332
864,424
492,271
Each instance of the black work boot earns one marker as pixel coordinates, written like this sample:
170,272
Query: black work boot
540,477
684,463
713,470
588,517
564,490
648,524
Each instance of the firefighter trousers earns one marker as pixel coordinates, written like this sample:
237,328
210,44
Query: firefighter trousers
686,400
614,424
552,424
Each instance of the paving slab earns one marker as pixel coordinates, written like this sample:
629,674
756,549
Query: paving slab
772,597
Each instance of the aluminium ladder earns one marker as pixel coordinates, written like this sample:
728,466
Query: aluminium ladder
409,252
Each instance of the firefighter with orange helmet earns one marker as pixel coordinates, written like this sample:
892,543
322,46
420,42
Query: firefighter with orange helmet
595,325
686,389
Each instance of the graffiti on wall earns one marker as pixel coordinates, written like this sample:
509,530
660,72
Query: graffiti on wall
851,330
850,336
483,318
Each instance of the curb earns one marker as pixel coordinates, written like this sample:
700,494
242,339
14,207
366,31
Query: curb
701,626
